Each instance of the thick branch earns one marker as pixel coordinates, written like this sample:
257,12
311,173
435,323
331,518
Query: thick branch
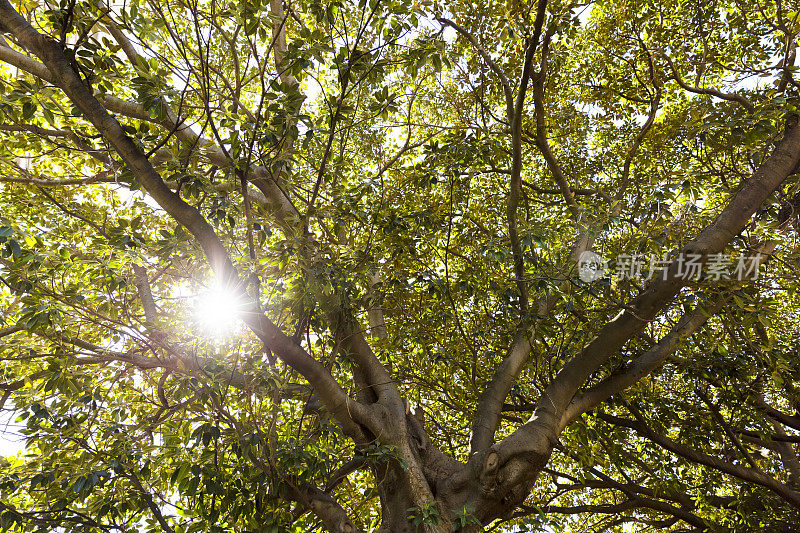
325,507
145,293
541,140
515,187
793,421
640,367
787,454
788,62
545,422
279,41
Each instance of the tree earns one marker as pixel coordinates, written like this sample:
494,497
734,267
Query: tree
396,200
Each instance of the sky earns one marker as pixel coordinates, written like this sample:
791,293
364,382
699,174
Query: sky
11,442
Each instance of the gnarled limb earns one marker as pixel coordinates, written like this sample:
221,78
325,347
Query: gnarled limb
327,509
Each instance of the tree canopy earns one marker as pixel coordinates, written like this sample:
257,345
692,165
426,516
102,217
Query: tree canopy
300,266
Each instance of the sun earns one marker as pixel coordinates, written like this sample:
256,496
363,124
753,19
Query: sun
218,311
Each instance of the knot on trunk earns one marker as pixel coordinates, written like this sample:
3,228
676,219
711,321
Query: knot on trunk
488,474
791,122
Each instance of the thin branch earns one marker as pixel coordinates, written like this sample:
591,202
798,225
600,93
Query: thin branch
731,97
744,473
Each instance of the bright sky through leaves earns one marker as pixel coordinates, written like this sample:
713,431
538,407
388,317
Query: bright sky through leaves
218,312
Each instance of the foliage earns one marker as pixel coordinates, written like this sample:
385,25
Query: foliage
395,195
